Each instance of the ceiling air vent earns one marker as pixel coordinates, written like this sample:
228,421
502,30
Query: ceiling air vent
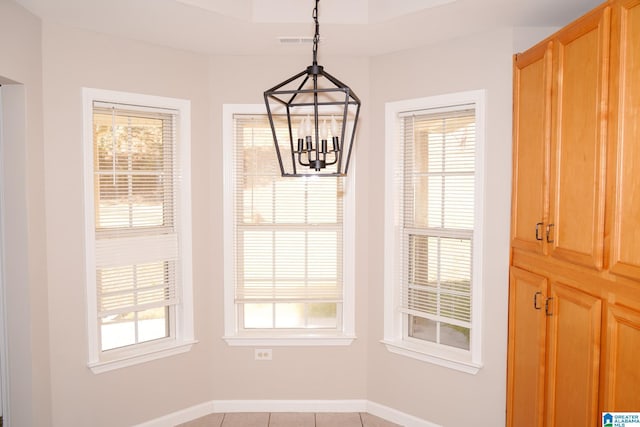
296,40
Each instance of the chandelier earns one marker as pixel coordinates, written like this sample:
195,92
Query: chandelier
321,114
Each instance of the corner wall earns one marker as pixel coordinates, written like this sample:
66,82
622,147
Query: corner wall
295,373
47,319
25,278
73,59
430,392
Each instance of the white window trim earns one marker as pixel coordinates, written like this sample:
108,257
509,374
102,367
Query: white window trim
183,337
461,360
232,335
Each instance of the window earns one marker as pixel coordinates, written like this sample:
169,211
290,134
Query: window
137,227
433,288
287,278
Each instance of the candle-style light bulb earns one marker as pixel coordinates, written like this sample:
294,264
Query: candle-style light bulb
324,130
307,126
324,134
307,133
335,130
301,136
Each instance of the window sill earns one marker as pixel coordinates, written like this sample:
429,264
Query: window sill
289,340
142,356
444,359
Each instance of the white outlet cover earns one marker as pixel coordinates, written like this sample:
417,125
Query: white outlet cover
263,354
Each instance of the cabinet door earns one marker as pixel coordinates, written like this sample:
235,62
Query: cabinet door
531,136
622,370
526,354
573,358
578,142
625,242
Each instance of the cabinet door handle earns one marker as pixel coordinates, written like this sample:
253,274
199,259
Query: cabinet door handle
547,306
538,236
549,228
535,300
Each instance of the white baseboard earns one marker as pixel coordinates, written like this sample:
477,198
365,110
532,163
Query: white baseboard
223,406
290,406
181,416
397,417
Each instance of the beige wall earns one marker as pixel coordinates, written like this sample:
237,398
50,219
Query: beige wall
24,217
71,60
430,392
213,370
47,322
303,372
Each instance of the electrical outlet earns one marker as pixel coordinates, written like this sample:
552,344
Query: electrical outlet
263,354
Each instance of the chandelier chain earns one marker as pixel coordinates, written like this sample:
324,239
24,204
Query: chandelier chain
316,37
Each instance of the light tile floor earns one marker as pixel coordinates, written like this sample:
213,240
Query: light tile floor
290,419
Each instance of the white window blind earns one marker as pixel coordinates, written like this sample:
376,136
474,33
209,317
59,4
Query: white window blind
136,179
438,179
288,238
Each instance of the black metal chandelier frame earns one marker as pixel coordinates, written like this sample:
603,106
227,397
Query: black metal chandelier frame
313,151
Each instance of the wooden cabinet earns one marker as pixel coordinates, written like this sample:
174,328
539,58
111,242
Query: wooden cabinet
554,351
527,349
624,163
573,358
531,136
560,106
574,291
622,370
578,144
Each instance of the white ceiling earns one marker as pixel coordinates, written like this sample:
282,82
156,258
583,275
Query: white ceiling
354,27
299,11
